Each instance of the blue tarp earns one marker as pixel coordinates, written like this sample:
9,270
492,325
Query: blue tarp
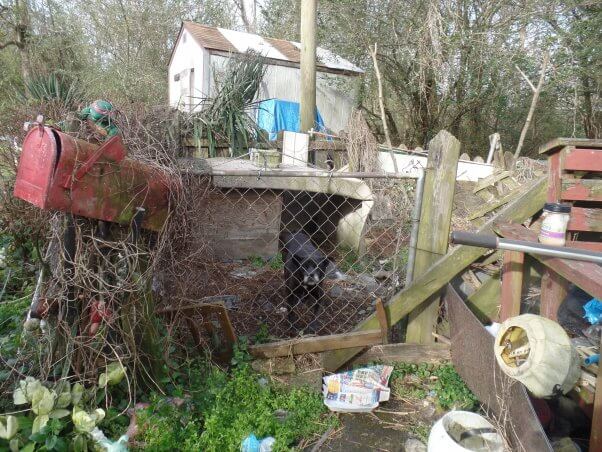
274,115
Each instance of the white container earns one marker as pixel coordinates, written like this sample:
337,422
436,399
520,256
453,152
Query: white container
452,433
555,220
537,352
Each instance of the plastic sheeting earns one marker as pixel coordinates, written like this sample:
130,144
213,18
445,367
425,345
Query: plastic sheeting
274,115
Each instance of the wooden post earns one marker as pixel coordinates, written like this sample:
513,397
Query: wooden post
307,108
435,221
512,284
553,287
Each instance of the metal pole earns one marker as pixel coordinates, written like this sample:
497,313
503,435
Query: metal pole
319,174
308,65
415,228
494,242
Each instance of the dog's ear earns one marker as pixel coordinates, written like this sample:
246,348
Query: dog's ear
325,265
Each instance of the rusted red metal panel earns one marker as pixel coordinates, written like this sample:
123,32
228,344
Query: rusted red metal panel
59,172
583,160
507,399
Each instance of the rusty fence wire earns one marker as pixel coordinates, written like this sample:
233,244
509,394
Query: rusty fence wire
302,255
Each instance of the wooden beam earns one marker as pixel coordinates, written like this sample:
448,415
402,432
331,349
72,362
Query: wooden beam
490,180
441,272
435,223
496,203
583,160
316,344
583,219
485,302
404,353
553,288
581,190
512,284
381,315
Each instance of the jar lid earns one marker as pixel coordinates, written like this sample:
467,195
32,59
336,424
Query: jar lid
557,207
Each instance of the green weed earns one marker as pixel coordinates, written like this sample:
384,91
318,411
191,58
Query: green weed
416,381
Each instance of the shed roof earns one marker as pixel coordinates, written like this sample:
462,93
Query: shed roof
278,51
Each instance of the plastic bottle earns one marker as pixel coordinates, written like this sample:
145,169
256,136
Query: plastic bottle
555,220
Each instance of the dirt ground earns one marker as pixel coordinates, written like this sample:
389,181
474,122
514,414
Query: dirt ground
386,429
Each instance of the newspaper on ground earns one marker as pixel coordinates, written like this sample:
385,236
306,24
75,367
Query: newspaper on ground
359,390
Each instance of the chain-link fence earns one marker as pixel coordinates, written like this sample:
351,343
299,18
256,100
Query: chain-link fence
303,254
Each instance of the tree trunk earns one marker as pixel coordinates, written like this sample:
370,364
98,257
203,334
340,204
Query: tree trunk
589,123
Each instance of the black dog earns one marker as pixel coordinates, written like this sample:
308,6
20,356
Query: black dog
305,268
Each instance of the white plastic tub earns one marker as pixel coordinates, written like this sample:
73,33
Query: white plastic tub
457,432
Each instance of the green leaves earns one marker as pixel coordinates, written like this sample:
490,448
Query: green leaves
113,376
42,401
85,422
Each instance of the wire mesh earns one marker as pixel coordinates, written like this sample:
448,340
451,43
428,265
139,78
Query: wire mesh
304,256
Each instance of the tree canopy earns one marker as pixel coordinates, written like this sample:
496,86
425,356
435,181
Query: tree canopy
450,64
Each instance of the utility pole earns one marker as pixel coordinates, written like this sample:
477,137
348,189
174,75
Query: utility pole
308,65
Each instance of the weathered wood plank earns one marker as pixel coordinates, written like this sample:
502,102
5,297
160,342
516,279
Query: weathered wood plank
583,159
381,315
485,302
558,143
316,344
512,284
583,219
490,180
553,288
581,190
404,353
496,203
442,271
586,275
593,246
435,223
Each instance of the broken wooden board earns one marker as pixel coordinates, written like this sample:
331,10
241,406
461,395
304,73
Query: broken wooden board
316,344
442,271
404,353
485,302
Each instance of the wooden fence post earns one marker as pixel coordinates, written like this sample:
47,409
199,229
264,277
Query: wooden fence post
435,221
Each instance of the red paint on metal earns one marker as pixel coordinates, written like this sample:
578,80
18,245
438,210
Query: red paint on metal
109,189
583,160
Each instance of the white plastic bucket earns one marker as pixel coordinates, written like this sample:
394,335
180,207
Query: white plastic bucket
461,431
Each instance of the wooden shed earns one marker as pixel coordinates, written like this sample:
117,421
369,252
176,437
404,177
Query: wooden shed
201,49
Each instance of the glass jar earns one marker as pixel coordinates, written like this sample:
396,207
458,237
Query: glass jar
556,217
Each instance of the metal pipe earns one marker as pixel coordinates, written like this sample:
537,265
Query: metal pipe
321,174
494,242
415,228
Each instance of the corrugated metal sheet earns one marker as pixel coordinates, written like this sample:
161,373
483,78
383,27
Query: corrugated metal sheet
209,37
219,39
282,82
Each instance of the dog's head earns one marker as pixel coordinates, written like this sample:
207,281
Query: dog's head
313,272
